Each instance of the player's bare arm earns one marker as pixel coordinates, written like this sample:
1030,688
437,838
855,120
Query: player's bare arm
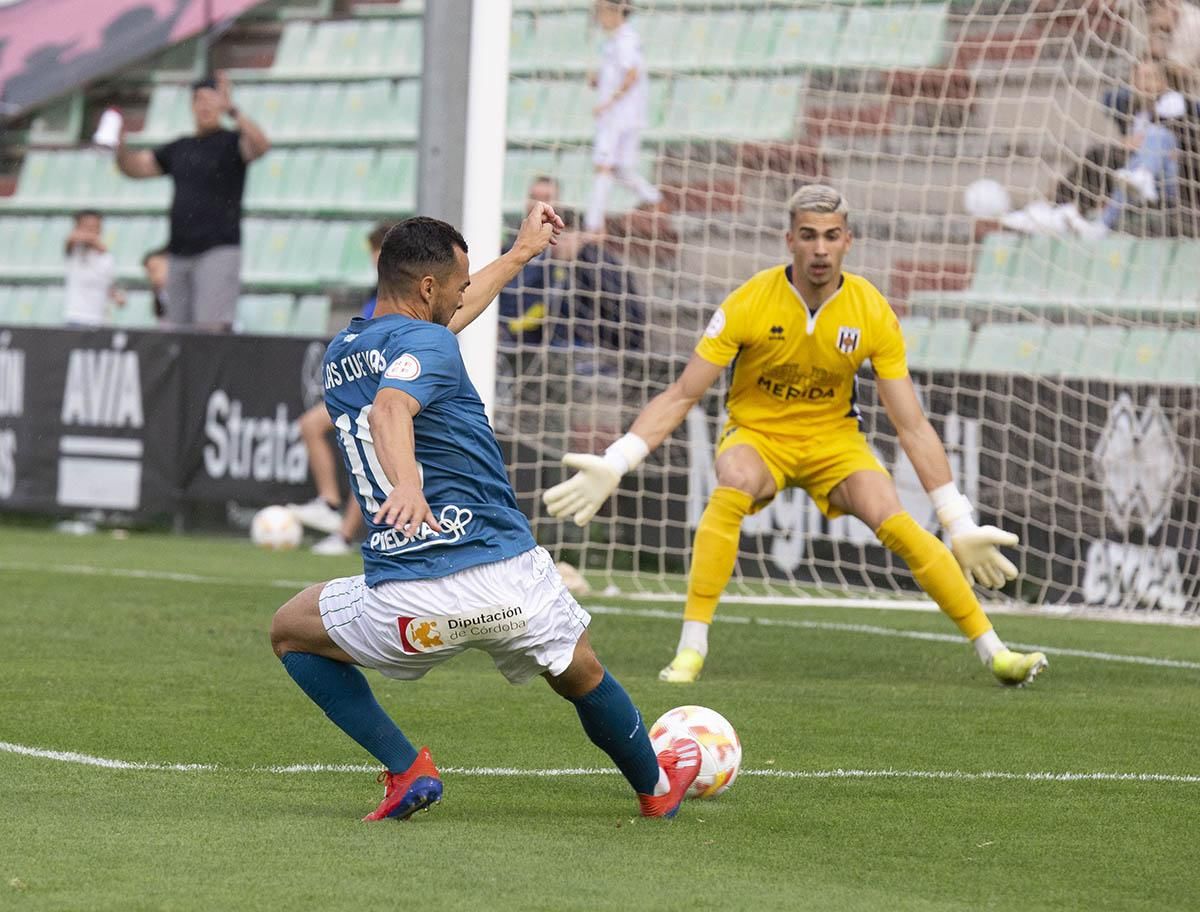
391,423
917,437
581,495
136,163
539,230
977,548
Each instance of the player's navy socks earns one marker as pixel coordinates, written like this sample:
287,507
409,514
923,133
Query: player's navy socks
343,692
615,726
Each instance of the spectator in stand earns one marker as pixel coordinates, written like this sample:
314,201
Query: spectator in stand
157,266
1174,27
622,93
209,171
91,273
576,295
324,512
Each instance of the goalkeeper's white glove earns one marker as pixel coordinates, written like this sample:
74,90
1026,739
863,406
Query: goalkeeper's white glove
585,492
976,548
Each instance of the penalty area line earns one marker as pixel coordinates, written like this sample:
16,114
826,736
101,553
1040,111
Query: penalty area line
74,757
657,613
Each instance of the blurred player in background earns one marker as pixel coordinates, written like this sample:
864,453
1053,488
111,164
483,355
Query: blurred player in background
622,96
324,512
450,563
209,172
797,335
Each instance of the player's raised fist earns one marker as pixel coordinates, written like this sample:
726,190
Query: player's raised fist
541,227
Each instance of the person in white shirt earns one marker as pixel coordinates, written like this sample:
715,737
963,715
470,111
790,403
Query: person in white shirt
620,111
90,272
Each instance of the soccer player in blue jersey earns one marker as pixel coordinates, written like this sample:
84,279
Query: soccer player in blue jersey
450,563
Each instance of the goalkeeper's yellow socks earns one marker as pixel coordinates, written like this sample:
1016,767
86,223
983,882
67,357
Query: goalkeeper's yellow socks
714,552
937,572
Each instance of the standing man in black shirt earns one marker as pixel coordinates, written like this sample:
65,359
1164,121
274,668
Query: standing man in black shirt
209,170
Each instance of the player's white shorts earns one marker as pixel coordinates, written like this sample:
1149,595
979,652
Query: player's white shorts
617,146
517,610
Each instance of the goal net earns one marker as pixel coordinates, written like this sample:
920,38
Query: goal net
995,155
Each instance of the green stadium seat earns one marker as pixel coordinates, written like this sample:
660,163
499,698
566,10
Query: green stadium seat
1151,261
1181,364
1035,275
285,255
946,344
310,316
342,181
292,49
333,49
712,40
994,264
405,48
698,106
524,107
1102,350
1182,280
520,168
26,305
405,111
561,41
31,247
357,111
762,108
1061,351
663,35
392,184
52,307
1007,348
892,38
1110,262
565,112
138,312
522,45
1070,264
169,114
58,124
334,237
265,181
916,336
1143,354
356,268
799,39
263,314
303,178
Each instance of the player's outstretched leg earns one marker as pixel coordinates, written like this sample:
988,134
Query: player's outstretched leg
615,726
938,573
714,554
326,674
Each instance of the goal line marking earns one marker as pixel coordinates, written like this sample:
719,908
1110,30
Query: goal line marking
80,759
875,630
656,613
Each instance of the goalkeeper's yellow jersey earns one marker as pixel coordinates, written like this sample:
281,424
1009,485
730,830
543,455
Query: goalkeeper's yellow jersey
794,371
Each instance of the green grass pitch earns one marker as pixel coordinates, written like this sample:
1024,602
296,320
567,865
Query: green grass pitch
154,650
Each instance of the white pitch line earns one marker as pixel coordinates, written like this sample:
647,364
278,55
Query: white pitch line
900,634
514,772
169,576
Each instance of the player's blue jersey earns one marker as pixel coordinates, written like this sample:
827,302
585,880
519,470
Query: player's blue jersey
462,470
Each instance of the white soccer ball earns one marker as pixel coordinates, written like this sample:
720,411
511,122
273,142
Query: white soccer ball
986,198
720,747
276,529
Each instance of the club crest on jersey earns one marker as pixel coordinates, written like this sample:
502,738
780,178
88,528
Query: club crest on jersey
847,339
406,367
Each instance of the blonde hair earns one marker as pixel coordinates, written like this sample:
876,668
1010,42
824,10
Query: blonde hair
817,198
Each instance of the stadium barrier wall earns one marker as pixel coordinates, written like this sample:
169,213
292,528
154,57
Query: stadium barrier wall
144,423
1101,479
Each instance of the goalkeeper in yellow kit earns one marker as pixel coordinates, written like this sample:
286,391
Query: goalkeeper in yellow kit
796,335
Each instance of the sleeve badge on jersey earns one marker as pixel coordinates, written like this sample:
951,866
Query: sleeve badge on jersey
716,325
406,367
847,339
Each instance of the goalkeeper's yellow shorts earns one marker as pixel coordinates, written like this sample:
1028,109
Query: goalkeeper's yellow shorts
818,464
